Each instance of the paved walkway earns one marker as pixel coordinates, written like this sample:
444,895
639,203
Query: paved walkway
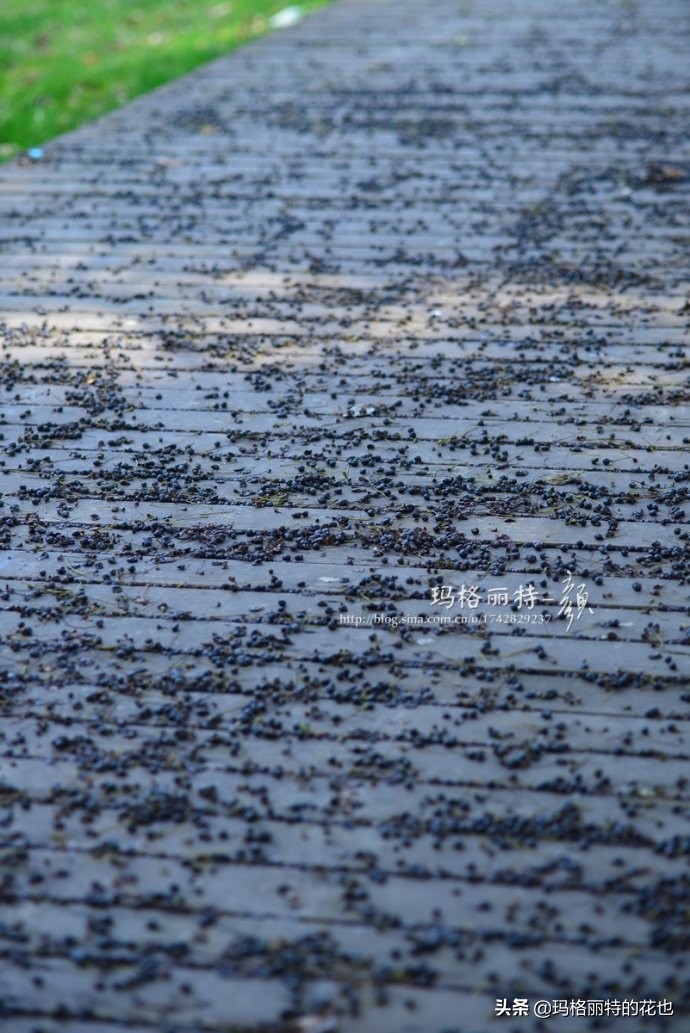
368,330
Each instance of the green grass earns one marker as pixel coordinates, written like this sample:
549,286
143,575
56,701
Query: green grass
63,62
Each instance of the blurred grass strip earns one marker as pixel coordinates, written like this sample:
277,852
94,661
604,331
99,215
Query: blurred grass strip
63,62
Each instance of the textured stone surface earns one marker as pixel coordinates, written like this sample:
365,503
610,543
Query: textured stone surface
384,307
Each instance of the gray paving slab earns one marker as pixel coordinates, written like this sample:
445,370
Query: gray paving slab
345,642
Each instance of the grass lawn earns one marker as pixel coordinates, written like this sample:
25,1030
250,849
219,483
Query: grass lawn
63,62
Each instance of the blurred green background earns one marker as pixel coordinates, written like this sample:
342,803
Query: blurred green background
63,62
